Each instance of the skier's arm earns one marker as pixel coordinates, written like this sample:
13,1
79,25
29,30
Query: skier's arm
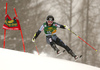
37,33
62,26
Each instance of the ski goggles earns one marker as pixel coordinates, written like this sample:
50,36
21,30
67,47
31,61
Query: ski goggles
50,21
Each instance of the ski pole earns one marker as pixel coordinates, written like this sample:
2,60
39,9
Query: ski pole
5,29
15,12
36,48
81,39
6,8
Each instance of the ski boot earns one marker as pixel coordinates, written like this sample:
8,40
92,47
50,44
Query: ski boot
55,48
76,57
72,54
58,51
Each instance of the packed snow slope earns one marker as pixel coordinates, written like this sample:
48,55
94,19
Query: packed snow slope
15,60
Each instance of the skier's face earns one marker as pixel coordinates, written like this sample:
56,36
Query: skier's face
50,23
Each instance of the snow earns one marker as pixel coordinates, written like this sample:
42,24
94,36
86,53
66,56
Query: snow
15,60
42,53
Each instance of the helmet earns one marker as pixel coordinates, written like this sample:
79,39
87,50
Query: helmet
50,18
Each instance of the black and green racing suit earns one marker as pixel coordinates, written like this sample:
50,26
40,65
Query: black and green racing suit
51,38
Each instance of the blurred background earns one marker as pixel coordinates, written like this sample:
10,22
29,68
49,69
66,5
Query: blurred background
82,16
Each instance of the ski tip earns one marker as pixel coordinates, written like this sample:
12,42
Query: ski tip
80,56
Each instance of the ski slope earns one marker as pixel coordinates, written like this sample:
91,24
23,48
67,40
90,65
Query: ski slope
15,60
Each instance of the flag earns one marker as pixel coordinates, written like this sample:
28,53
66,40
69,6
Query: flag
11,24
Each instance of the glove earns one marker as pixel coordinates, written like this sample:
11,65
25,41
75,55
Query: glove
66,27
33,39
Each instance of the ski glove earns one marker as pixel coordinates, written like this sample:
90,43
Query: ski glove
66,27
33,39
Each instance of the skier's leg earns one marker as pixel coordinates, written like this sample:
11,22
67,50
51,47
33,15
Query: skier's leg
60,43
53,45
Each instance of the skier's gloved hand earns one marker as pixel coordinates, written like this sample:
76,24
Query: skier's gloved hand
66,27
33,39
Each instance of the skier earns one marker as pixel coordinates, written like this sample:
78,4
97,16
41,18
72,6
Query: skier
50,28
